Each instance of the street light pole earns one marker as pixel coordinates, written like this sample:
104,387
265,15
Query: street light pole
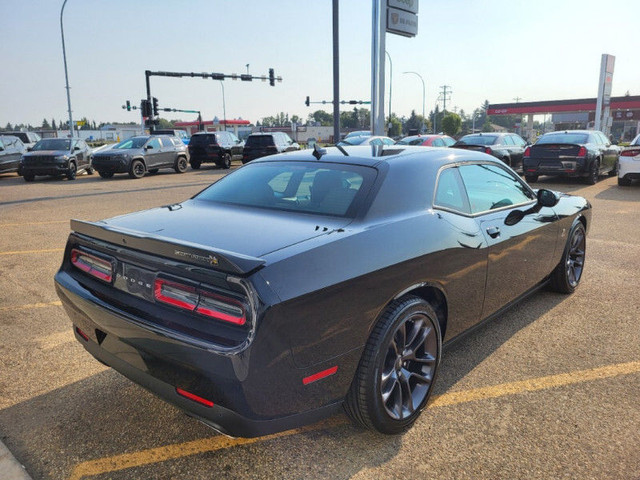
66,75
423,89
390,86
224,106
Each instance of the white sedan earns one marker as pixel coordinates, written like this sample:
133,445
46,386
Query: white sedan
629,163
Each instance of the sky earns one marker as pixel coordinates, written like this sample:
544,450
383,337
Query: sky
496,50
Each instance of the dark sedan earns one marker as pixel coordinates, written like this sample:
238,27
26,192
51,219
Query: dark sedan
139,155
308,281
571,153
56,156
508,147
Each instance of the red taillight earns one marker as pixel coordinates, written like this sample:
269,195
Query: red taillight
222,308
527,152
94,266
195,398
176,294
488,150
205,303
630,153
582,152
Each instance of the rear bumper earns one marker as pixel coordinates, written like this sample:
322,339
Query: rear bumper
629,168
564,167
211,156
253,393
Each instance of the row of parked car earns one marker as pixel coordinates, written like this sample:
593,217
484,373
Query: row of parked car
572,153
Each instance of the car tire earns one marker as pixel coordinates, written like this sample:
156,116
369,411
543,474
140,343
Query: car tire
624,181
594,173
181,165
154,171
195,164
29,177
225,161
567,274
531,178
137,169
105,174
72,172
391,387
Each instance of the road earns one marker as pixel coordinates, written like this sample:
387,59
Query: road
550,389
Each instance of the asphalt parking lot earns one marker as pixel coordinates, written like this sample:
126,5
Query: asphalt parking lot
550,389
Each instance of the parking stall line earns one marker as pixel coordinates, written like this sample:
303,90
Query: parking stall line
30,306
24,224
26,252
211,444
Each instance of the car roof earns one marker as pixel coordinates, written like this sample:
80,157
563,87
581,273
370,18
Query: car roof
572,131
373,156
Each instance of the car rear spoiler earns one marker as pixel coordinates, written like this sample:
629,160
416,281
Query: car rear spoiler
182,251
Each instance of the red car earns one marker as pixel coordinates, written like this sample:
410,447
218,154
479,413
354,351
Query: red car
428,140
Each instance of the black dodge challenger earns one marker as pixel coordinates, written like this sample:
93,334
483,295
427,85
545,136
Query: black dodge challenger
305,282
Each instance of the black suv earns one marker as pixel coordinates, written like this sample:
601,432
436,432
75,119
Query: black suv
56,156
263,144
139,155
214,147
508,147
11,151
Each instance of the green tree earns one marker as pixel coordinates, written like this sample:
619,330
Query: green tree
416,122
396,126
8,127
53,124
451,124
322,117
45,124
164,123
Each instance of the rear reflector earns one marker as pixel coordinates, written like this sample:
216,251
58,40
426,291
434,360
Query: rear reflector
630,153
203,302
94,266
82,334
195,398
319,375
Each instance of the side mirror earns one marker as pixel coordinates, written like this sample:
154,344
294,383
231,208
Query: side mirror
29,149
546,198
76,148
148,147
1,149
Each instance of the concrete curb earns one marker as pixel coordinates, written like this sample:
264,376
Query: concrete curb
11,469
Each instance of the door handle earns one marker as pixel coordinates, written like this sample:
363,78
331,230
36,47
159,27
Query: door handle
494,232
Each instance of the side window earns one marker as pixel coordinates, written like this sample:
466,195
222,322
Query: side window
490,187
507,140
448,141
450,191
595,138
437,142
154,143
603,138
518,140
387,141
1,144
375,141
233,138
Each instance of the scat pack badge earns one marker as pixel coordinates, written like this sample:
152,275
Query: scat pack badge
210,260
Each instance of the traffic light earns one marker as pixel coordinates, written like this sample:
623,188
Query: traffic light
272,77
155,106
145,105
128,106
306,102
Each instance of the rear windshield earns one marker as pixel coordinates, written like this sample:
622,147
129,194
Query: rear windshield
315,188
412,141
53,144
353,141
135,142
260,141
22,136
478,140
563,138
203,139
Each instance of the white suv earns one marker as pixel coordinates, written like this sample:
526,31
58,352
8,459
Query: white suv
629,163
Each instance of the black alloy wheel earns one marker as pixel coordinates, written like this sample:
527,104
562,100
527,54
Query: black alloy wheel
531,178
398,368
181,165
195,164
137,169
29,177
225,162
105,174
594,172
73,170
567,274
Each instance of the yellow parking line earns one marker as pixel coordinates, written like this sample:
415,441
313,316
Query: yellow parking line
32,223
211,444
29,306
25,252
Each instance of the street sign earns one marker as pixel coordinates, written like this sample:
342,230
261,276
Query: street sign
80,123
401,22
406,5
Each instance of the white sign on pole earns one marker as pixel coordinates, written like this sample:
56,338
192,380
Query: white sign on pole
406,5
401,22
604,92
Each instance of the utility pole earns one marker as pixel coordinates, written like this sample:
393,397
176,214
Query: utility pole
444,94
336,74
